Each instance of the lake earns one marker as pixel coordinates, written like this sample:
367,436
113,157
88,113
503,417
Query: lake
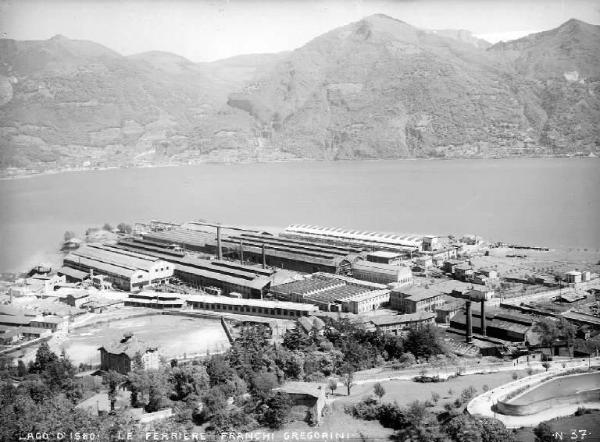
532,201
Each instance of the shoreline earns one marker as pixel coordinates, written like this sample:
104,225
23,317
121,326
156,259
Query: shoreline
28,175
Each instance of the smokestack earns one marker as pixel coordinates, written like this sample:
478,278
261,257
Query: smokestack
469,334
241,252
264,257
219,246
483,330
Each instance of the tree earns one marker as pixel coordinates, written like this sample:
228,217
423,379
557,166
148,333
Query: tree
348,378
187,380
43,358
546,365
424,342
279,407
124,228
493,430
543,432
379,390
107,227
214,402
262,384
157,394
332,385
112,379
69,234
21,368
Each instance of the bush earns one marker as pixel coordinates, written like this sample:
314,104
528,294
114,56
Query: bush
367,409
515,376
428,379
390,415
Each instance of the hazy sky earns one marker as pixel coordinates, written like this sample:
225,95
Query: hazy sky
206,30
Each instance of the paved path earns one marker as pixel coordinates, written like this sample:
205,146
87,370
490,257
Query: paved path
370,376
482,404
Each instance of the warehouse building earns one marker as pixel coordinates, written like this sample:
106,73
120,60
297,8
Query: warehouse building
189,240
254,307
225,275
251,281
297,255
416,299
124,269
357,238
506,326
381,273
335,293
154,300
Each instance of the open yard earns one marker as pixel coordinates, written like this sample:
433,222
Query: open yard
405,392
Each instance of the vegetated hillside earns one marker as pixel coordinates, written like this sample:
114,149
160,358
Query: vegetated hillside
560,69
380,88
377,88
67,103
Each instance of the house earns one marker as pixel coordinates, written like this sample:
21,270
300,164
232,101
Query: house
76,299
430,242
306,394
450,265
446,311
52,323
120,355
9,336
463,272
573,277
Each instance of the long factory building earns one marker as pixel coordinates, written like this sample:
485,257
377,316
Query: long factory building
249,281
355,238
297,255
334,293
125,269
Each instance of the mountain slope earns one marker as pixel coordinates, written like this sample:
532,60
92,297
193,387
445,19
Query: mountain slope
382,88
67,103
377,88
561,67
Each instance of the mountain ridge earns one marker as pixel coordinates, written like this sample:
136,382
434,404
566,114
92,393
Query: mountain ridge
375,88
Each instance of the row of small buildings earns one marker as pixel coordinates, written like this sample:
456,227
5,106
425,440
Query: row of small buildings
17,324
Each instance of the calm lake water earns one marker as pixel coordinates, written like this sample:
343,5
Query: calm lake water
545,202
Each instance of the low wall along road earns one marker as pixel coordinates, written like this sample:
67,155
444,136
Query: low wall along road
522,404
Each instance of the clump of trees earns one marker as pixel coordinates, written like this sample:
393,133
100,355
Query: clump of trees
416,422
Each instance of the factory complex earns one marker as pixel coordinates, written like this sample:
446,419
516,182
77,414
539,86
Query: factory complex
390,282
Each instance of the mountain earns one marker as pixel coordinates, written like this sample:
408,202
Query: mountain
66,103
380,88
376,88
560,70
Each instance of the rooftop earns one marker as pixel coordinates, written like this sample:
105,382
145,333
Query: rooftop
388,268
384,254
402,319
129,345
224,300
306,388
